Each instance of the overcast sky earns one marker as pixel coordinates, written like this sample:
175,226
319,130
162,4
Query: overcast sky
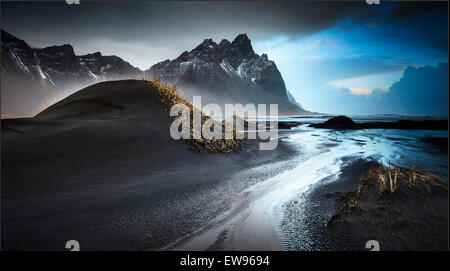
146,32
335,57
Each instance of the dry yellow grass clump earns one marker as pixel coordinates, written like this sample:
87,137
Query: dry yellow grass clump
170,96
390,178
387,180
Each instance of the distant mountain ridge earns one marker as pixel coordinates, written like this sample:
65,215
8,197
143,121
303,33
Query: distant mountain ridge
292,100
33,78
228,72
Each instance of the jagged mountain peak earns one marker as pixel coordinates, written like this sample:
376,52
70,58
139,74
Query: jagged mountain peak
228,69
6,36
243,44
207,44
231,71
10,41
97,54
60,50
224,42
37,76
242,40
241,37
234,52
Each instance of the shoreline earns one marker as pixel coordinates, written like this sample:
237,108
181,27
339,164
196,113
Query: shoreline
318,205
331,223
248,217
123,183
268,218
111,177
141,203
254,223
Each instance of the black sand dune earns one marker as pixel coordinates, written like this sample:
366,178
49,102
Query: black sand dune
100,167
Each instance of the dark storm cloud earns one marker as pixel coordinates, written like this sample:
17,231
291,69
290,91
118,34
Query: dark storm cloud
168,27
366,14
408,9
427,21
122,20
422,91
401,10
415,23
144,33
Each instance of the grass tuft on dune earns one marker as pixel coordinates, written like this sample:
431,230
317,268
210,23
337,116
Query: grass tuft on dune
387,180
401,208
390,178
170,97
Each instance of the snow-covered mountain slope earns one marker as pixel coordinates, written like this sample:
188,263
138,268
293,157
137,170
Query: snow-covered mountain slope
34,78
228,72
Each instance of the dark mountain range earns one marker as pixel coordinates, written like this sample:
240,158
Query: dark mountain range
228,72
34,78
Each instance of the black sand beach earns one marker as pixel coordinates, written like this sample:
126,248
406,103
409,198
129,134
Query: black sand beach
100,167
413,217
320,204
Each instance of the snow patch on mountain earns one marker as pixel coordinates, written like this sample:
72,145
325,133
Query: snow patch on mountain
229,71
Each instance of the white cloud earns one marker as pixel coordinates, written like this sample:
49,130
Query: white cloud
360,91
367,85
